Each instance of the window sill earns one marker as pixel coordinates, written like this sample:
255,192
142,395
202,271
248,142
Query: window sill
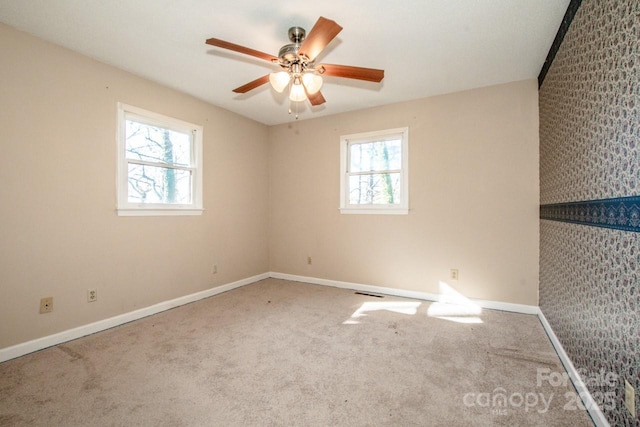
370,211
159,212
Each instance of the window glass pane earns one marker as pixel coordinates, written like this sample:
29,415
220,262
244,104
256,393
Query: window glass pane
374,189
375,156
151,184
156,144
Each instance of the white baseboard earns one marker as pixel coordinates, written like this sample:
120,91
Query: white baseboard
493,305
101,325
588,401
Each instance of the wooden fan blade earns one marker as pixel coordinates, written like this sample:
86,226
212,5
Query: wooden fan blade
241,49
316,98
359,73
252,85
319,37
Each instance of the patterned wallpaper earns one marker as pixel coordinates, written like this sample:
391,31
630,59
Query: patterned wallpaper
589,107
590,150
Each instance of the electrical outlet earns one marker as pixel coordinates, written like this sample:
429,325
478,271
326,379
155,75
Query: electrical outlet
630,398
46,305
309,260
92,295
214,270
454,274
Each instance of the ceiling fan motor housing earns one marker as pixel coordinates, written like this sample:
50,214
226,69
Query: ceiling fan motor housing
289,52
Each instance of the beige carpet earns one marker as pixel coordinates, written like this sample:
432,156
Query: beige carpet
287,353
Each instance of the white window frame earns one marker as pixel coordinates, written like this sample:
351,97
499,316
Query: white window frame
124,207
345,141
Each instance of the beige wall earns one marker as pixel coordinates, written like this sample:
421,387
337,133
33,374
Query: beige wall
59,232
270,194
473,197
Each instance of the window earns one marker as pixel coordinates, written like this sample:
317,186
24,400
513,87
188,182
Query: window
159,164
374,172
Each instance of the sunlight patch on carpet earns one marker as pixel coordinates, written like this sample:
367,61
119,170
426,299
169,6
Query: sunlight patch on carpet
454,306
402,307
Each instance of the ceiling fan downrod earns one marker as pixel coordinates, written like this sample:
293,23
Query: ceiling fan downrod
297,34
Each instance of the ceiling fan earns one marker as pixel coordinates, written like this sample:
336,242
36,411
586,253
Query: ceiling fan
297,60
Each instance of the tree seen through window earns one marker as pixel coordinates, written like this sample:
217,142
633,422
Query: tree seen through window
158,166
375,172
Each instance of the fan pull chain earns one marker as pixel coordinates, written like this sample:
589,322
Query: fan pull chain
290,102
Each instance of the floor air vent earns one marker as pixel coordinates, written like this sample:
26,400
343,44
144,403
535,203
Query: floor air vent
369,295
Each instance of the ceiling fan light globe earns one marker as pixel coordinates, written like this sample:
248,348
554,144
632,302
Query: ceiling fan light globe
312,82
297,93
279,80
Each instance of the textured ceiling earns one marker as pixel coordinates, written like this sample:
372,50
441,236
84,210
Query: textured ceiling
426,47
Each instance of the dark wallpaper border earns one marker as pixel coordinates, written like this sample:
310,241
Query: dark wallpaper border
621,213
564,27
